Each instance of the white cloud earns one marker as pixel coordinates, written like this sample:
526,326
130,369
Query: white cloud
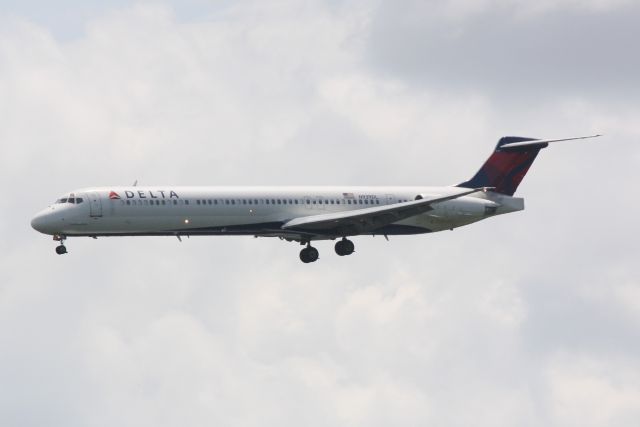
449,329
595,392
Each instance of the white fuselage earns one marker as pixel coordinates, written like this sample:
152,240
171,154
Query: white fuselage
259,211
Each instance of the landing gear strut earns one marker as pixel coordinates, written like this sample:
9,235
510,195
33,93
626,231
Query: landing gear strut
309,254
344,247
60,249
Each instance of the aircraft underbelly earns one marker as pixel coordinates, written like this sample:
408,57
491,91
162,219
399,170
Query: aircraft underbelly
257,223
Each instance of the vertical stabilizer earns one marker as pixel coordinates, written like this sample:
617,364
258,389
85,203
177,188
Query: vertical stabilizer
507,165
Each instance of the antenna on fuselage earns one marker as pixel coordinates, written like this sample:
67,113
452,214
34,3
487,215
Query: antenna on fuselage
135,183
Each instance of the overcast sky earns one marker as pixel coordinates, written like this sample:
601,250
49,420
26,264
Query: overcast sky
527,319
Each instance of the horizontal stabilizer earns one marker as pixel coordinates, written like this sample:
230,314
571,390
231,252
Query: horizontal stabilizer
544,141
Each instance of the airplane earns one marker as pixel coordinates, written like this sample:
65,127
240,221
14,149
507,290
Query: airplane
296,214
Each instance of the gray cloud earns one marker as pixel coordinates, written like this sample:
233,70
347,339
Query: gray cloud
510,52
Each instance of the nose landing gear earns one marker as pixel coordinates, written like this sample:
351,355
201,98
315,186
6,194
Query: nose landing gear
61,249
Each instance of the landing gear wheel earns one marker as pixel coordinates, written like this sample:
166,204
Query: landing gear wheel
309,254
61,250
344,247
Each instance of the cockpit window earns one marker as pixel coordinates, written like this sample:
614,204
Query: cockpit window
74,200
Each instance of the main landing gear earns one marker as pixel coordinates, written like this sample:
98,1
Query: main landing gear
310,254
344,247
61,249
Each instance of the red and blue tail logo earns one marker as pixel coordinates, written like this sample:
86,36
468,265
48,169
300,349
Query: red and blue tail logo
506,167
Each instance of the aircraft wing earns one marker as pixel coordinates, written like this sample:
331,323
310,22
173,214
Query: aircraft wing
369,219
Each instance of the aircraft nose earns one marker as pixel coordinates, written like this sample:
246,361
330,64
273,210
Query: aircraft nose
41,223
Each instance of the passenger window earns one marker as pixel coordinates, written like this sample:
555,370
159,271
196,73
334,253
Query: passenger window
175,202
244,201
233,202
163,202
72,200
128,202
255,201
186,202
79,199
273,201
267,201
308,201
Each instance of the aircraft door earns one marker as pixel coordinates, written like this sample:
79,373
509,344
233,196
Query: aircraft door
95,205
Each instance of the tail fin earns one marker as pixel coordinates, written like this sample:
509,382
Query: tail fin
509,163
506,167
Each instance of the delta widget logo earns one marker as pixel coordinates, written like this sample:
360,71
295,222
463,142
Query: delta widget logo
114,196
